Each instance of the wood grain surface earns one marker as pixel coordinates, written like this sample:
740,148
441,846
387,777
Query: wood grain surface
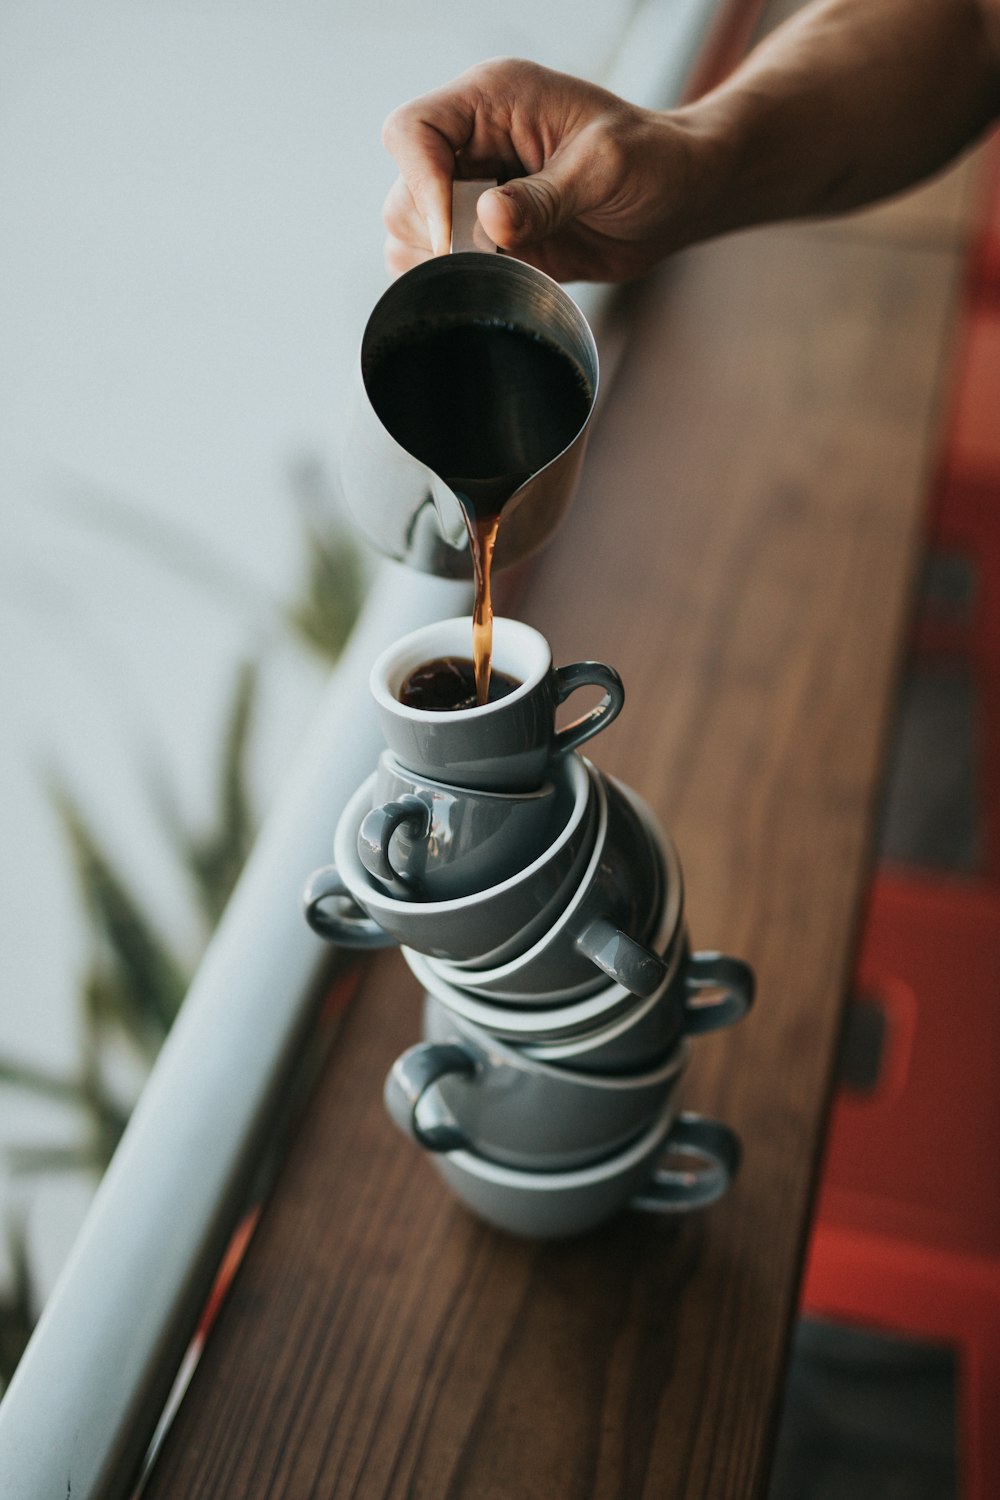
744,550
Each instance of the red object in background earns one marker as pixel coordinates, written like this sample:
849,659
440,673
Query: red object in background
907,1229
973,439
918,1158
964,519
966,524
985,258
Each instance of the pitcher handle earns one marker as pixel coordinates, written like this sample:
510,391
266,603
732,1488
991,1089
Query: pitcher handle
587,674
352,927
466,231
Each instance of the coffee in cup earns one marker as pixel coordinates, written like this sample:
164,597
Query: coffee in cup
448,683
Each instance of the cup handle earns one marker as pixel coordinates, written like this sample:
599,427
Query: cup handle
716,971
674,1190
466,231
408,1080
352,928
377,829
619,956
587,674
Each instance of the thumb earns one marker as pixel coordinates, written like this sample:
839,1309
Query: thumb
528,209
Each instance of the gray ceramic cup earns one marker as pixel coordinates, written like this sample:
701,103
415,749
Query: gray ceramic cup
462,1089
425,840
667,902
344,903
550,1020
554,1205
705,992
608,1032
503,746
601,933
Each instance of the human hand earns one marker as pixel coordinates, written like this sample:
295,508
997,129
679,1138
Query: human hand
592,188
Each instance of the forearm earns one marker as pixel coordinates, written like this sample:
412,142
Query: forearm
848,102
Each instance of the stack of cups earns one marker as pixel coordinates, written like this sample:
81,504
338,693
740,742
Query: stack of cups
542,909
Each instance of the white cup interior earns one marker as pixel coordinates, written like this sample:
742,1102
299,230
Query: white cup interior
518,650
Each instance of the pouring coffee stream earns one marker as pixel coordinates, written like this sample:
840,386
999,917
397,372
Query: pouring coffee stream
483,537
531,407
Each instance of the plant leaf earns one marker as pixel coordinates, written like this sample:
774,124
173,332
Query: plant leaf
16,1313
214,860
25,1160
335,580
332,596
37,1081
149,981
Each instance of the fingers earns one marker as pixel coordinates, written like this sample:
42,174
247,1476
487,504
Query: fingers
400,257
502,216
500,211
424,137
403,220
520,213
408,240
527,210
464,129
565,153
530,209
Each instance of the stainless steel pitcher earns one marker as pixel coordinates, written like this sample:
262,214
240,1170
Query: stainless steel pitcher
406,509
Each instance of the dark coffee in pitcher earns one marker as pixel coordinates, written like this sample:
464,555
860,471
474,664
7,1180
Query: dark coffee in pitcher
485,404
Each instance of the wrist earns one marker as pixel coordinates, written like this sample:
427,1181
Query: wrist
702,172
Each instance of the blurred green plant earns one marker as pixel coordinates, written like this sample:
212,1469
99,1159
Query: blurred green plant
16,1319
325,608
134,981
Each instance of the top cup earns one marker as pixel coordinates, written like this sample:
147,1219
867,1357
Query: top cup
504,745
